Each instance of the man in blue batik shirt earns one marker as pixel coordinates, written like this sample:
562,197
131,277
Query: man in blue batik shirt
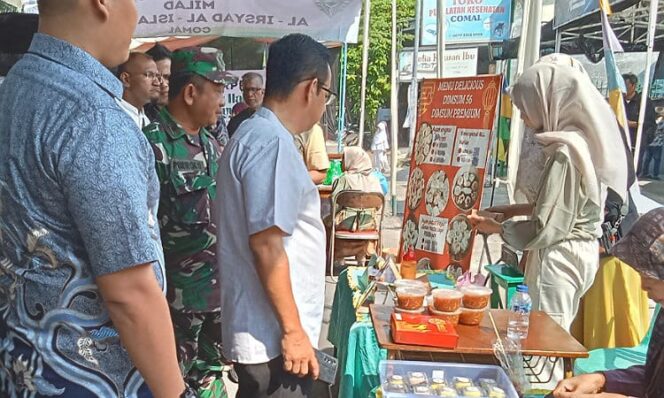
82,309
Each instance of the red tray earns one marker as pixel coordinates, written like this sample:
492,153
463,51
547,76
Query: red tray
423,330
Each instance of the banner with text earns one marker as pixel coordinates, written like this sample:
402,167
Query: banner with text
325,20
458,63
468,21
455,123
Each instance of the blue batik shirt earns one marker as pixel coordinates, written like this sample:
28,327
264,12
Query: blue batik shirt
78,200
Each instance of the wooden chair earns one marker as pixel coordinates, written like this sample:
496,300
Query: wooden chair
361,201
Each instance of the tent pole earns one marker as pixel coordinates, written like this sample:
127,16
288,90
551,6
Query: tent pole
414,79
652,25
365,63
559,39
394,112
342,97
441,39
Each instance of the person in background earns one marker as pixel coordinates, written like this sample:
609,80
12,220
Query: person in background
272,255
654,153
358,176
379,145
141,81
358,173
83,310
643,249
252,93
311,146
162,57
186,162
633,109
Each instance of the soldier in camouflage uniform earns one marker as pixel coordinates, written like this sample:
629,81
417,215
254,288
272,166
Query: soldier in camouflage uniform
186,160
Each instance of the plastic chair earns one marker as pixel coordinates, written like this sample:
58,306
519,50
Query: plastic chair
603,359
361,201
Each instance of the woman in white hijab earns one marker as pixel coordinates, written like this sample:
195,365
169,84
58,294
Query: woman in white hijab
379,146
579,136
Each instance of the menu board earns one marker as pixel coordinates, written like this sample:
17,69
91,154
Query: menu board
454,127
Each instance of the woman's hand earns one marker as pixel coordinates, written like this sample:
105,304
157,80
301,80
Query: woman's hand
485,225
581,386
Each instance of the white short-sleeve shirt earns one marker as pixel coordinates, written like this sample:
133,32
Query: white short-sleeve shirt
262,182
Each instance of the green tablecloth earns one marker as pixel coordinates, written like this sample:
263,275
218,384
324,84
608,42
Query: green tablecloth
354,338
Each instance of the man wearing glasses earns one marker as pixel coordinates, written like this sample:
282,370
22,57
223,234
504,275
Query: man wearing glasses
252,93
272,248
141,82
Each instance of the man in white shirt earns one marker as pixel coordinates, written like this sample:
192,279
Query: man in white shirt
271,249
141,81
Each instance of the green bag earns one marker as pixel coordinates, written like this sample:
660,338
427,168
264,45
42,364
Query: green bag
333,173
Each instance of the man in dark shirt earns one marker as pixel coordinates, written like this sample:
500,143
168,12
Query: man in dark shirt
252,92
632,108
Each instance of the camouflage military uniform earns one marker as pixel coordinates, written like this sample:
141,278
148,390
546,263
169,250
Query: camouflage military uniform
187,166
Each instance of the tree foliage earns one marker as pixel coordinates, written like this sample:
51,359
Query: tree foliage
380,48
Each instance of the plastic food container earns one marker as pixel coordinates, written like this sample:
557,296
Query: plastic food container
461,382
449,317
418,311
396,376
471,317
472,392
496,392
476,297
411,283
411,296
447,300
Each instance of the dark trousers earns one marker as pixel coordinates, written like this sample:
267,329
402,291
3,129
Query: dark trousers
652,154
270,380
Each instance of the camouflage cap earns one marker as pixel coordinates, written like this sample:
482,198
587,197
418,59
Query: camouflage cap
207,62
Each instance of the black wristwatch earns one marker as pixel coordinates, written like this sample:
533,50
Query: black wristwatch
189,393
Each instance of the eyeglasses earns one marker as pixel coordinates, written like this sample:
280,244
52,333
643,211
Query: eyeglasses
330,96
153,76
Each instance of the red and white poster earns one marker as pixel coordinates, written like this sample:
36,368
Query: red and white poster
454,126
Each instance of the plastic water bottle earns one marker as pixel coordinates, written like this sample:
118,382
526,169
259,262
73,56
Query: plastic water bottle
519,320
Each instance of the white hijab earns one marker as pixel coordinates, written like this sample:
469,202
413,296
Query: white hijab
570,112
532,158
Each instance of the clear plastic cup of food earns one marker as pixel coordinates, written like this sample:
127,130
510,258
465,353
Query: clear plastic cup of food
471,317
449,317
411,297
476,297
447,300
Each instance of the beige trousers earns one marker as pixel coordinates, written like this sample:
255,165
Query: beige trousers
557,278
